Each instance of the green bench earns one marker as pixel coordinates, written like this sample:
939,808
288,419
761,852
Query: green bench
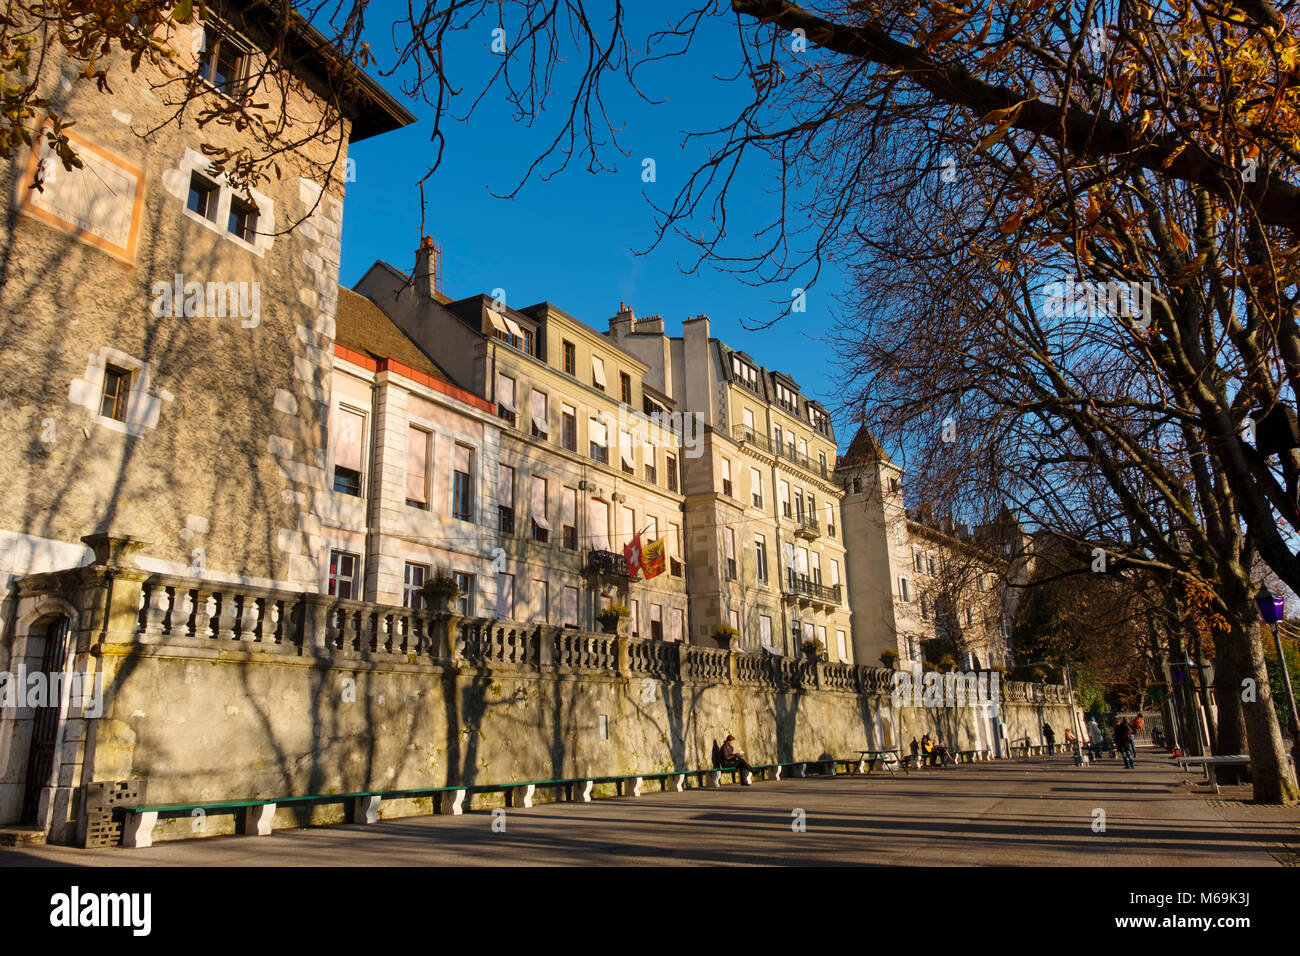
253,817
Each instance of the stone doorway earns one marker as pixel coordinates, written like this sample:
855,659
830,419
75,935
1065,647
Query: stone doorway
42,748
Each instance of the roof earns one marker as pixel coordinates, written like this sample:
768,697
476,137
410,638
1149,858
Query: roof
864,447
373,110
363,327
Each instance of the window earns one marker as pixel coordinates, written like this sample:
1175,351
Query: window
651,528
651,471
816,567
747,416
835,573
812,508
570,359
569,607
625,453
745,373
756,487
223,64
674,550
657,622
821,635
412,581
636,617
918,561
830,519
506,399
505,609
349,430
417,467
598,372
904,589
798,503
726,477
729,552
929,560
243,219
505,499
343,574
627,518
776,437
530,345
598,441
898,533
670,470
538,412
925,607
765,631
784,487
970,616
462,487
203,197
598,528
733,618
842,640
569,427
803,449
537,509
678,631
821,460
893,485
760,558
569,518
117,387
625,388
465,603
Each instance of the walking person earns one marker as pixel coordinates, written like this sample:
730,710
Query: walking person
1049,737
1095,738
1124,742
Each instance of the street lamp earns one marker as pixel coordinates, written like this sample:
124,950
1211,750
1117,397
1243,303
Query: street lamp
1271,610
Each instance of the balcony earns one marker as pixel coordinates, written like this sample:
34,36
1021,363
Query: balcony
608,563
804,587
747,435
807,526
812,467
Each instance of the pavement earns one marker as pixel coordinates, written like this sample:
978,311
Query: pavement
1042,811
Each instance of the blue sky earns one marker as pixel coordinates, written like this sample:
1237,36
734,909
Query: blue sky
570,240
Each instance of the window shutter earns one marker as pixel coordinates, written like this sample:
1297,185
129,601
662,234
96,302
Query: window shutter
417,464
569,508
541,420
506,392
596,433
537,503
598,370
350,428
505,486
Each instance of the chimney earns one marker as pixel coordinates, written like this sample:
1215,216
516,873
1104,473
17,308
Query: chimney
428,269
620,326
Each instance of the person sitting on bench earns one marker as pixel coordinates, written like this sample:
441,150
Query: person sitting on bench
941,754
733,758
927,750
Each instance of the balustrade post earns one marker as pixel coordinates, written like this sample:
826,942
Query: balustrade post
444,629
623,655
819,674
315,621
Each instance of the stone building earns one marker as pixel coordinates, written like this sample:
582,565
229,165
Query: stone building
166,349
568,468
924,587
765,552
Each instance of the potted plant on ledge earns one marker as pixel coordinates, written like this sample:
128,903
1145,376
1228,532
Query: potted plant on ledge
613,619
889,657
725,634
815,650
440,594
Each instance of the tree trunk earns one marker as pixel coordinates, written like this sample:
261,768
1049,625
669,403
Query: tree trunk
1226,730
1272,775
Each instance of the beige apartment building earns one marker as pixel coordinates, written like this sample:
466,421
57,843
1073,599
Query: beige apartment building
531,512
764,550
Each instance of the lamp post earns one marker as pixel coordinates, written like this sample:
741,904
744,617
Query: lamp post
1271,610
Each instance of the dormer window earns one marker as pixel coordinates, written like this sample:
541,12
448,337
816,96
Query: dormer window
745,373
223,63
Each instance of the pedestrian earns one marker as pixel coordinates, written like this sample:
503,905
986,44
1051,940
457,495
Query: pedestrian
1137,725
1095,738
1049,737
731,757
1124,742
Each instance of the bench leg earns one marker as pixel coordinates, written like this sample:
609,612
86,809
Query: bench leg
520,796
748,778
138,832
679,782
801,770
862,766
630,788
365,809
582,791
256,821
450,802
776,773
715,779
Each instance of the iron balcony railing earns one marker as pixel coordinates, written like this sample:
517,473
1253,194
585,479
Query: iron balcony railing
606,562
805,586
750,437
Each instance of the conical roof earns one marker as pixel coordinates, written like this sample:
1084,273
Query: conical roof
864,448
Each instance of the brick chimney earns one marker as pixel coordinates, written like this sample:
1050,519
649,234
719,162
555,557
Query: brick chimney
428,269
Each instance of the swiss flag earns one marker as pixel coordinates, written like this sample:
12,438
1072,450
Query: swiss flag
632,555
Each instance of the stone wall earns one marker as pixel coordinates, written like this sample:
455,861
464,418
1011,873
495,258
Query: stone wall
213,695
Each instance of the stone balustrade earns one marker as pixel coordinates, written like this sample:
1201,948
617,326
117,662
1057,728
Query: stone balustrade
185,611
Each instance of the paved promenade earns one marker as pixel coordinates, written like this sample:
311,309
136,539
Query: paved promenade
1036,812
